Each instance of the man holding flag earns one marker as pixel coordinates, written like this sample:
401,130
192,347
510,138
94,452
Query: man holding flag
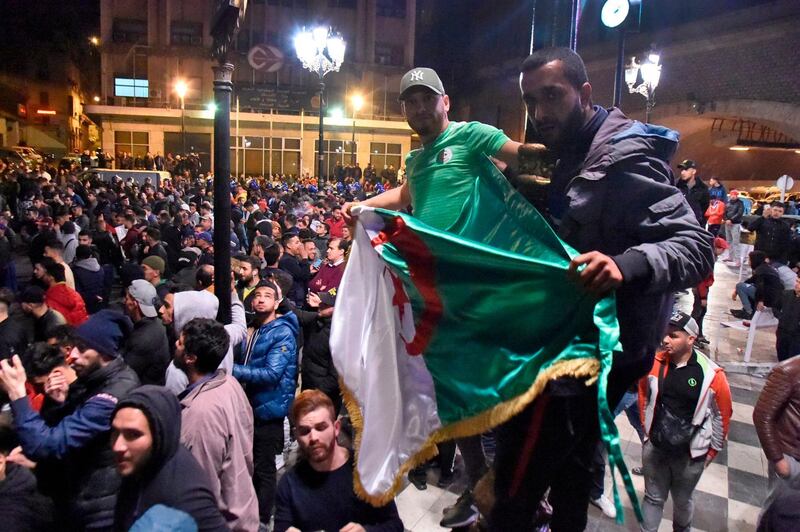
645,251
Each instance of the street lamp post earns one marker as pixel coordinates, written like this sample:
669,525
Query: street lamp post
225,22
358,102
320,51
650,71
180,90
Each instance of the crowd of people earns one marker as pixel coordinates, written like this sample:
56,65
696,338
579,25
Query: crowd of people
127,403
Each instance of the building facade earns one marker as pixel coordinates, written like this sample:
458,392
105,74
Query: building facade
147,46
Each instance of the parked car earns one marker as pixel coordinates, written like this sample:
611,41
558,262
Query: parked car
29,154
12,156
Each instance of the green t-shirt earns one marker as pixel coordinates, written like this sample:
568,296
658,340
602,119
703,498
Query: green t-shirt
441,175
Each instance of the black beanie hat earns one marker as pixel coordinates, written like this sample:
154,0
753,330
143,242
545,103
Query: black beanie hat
104,332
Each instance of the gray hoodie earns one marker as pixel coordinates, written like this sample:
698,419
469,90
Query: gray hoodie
204,304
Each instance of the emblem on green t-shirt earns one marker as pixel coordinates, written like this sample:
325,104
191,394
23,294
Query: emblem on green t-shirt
444,156
692,382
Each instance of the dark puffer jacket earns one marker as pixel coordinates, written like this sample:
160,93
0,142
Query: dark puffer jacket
171,477
317,368
268,369
76,465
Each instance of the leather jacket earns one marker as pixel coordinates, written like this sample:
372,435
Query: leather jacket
777,413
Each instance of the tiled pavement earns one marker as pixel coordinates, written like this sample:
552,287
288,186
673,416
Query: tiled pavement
731,490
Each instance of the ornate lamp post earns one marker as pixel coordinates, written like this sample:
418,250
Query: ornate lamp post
320,51
357,102
226,19
650,73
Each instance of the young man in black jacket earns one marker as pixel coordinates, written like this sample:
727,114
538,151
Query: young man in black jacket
762,289
156,468
694,189
773,234
787,337
734,211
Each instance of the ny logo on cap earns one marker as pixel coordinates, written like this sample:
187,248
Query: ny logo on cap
417,75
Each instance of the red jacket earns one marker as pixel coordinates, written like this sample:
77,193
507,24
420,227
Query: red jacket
335,227
68,302
715,212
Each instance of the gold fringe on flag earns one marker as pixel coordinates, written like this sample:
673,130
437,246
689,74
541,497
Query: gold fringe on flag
579,368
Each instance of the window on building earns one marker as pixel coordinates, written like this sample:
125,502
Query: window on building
385,154
136,143
388,54
186,33
336,152
391,8
129,30
131,88
252,155
344,4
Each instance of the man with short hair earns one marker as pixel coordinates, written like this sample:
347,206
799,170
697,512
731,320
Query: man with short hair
773,234
45,319
331,271
249,275
762,289
156,470
260,244
267,369
58,295
685,405
146,350
335,222
217,422
72,444
54,249
317,493
734,211
694,190
295,263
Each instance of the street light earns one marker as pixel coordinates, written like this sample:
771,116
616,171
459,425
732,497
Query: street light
180,90
650,72
357,101
320,51
94,40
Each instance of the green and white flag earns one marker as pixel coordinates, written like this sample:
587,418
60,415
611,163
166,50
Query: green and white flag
438,335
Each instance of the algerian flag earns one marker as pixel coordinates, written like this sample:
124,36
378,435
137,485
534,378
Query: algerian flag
439,335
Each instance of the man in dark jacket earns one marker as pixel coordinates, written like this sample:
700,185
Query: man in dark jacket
71,446
294,263
787,337
734,211
762,289
773,234
15,331
268,372
22,507
155,468
317,369
90,280
776,417
645,252
146,350
695,191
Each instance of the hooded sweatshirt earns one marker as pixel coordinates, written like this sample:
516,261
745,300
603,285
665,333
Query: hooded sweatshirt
204,304
171,476
22,507
90,283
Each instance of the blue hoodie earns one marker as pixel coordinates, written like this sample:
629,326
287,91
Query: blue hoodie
268,369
